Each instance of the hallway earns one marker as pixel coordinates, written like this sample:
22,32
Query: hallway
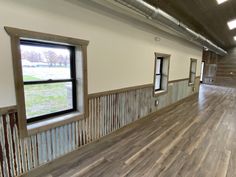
194,138
118,88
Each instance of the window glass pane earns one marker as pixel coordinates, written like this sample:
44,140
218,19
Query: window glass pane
165,67
164,82
158,82
158,66
44,63
193,66
44,99
192,78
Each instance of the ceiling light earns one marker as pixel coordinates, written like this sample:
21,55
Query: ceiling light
232,24
221,1
235,38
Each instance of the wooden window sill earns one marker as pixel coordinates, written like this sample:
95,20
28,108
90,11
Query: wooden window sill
160,92
190,84
37,127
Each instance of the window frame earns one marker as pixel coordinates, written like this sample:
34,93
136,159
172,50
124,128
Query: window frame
80,45
72,79
161,74
165,59
191,83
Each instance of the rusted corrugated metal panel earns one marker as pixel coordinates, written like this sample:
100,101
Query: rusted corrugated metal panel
107,114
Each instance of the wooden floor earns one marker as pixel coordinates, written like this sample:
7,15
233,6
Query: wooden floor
195,138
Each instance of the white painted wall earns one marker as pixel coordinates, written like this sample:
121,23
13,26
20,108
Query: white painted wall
119,55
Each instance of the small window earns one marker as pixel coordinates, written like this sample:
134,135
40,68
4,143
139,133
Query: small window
192,74
161,73
158,73
49,78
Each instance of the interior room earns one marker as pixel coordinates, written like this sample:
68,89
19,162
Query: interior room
117,88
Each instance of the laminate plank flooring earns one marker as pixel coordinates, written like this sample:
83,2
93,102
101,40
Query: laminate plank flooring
196,138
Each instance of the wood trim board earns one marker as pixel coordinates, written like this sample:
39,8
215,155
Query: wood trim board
121,90
19,87
8,109
126,89
44,36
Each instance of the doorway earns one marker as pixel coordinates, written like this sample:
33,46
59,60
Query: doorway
202,71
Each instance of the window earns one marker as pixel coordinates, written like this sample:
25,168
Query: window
49,77
161,73
192,74
50,74
158,73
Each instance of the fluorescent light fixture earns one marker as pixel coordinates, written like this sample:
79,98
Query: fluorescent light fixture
232,24
221,1
235,38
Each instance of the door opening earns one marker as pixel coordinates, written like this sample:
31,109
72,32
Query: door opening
202,71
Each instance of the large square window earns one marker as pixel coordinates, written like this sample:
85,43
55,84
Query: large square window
50,74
